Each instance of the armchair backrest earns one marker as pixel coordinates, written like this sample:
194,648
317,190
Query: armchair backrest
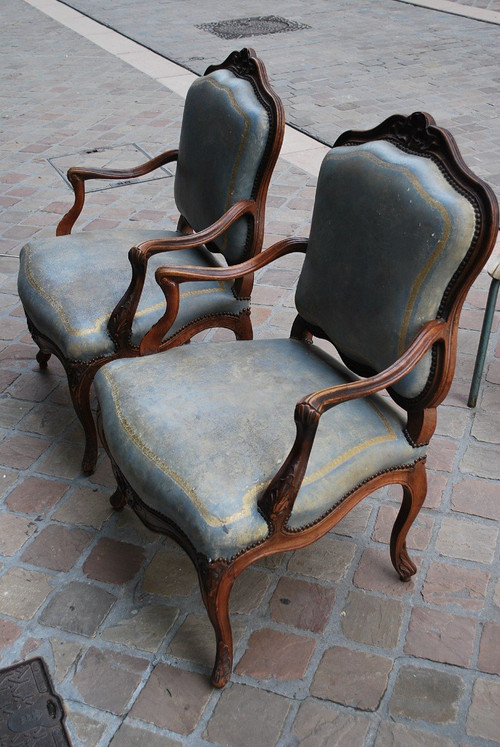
231,135
400,230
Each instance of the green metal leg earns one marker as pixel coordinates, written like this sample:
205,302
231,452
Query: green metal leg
483,342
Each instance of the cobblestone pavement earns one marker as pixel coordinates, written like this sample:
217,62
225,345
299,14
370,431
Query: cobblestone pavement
114,610
355,64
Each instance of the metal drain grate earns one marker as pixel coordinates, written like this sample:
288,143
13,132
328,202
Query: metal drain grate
31,713
238,28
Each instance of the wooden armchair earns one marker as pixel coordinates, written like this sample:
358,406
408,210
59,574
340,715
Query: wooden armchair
83,301
239,450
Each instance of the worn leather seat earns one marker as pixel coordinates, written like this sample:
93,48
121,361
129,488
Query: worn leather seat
64,303
243,415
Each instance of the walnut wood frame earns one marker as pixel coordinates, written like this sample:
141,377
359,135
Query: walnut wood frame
416,134
80,374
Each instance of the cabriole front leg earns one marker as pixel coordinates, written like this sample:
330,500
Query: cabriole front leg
80,377
216,582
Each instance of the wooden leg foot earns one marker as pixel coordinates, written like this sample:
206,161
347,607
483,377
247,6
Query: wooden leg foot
404,565
89,460
221,673
118,500
42,358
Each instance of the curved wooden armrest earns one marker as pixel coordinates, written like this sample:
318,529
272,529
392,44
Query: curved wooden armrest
324,399
276,503
79,175
148,248
120,321
187,273
169,278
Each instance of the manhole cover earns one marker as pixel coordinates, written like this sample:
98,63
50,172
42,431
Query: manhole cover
31,713
238,28
117,157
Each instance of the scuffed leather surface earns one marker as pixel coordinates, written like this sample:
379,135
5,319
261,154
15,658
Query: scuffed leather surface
200,432
69,285
388,233
223,138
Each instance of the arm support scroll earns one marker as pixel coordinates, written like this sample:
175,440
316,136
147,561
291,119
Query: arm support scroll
78,176
276,503
122,316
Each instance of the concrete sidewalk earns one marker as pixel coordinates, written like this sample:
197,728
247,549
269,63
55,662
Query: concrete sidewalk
113,609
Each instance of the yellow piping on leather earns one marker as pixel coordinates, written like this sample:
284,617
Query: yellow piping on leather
104,318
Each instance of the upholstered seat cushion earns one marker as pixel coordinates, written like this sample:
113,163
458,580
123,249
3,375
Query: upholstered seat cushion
69,286
199,432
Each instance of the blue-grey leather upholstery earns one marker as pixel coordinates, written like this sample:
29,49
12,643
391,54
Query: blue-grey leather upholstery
69,285
209,180
387,235
199,436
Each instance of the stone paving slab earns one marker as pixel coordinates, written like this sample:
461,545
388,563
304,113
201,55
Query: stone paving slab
113,609
355,64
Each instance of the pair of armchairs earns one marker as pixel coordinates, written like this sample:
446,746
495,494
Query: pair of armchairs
242,449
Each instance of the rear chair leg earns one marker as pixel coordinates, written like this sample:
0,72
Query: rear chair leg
414,492
243,329
118,500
